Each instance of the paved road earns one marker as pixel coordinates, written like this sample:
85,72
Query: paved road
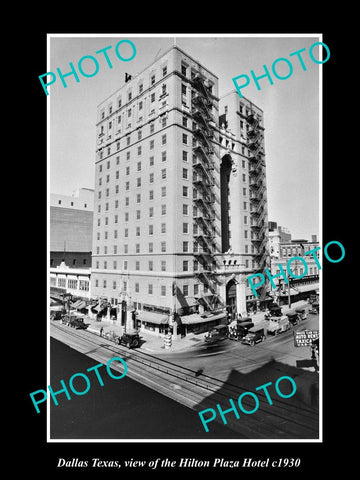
121,409
221,359
289,418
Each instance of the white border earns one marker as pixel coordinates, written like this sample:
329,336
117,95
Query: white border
167,440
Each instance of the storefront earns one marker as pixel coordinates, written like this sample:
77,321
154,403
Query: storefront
196,323
153,322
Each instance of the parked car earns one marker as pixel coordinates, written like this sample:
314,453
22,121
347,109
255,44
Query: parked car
238,330
220,332
278,325
315,308
78,323
130,340
56,315
301,311
254,335
293,317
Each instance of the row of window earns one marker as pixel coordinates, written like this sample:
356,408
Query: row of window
164,290
297,250
70,283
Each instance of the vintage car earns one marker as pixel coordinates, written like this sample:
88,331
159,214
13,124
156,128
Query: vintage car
293,317
275,311
278,325
315,308
301,311
220,332
77,322
130,340
238,330
254,335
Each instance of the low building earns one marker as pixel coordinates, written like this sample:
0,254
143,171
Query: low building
307,270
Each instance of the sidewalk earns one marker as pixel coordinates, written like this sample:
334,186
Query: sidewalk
155,344
149,342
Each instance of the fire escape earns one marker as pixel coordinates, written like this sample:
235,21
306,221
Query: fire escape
205,197
258,201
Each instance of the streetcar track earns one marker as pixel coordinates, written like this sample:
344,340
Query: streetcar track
207,383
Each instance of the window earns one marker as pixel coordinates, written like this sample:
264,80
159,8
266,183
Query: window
139,150
104,284
151,229
185,228
137,288
151,195
163,209
185,290
184,121
126,232
127,185
185,173
163,174
163,191
183,69
152,127
163,139
126,248
185,191
151,144
150,289
164,71
151,265
138,198
185,156
137,248
185,138
196,289
138,182
137,265
163,265
163,156
185,247
163,247
125,264
151,247
138,214
137,231
152,97
183,89
151,161
126,216
152,79
163,228
186,209
126,201
151,212
163,290
151,178
185,265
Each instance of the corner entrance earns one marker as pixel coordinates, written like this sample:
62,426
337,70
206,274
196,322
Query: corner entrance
231,300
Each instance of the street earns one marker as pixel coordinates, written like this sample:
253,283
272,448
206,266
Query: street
203,376
220,359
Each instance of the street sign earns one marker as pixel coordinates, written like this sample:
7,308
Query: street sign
304,338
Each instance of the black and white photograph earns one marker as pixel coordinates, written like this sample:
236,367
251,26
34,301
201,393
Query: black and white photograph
186,253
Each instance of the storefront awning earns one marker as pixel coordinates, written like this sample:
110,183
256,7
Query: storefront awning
308,288
196,318
153,317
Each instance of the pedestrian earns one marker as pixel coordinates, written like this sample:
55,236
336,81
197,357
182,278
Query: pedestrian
101,331
313,348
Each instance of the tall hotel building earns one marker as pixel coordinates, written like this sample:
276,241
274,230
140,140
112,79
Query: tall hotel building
180,215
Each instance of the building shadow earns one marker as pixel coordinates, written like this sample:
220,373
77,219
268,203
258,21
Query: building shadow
296,417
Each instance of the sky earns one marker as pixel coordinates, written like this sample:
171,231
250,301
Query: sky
290,106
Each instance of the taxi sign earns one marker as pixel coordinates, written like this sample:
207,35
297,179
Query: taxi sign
304,338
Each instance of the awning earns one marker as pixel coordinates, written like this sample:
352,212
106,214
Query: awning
292,292
196,318
153,317
307,288
81,305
